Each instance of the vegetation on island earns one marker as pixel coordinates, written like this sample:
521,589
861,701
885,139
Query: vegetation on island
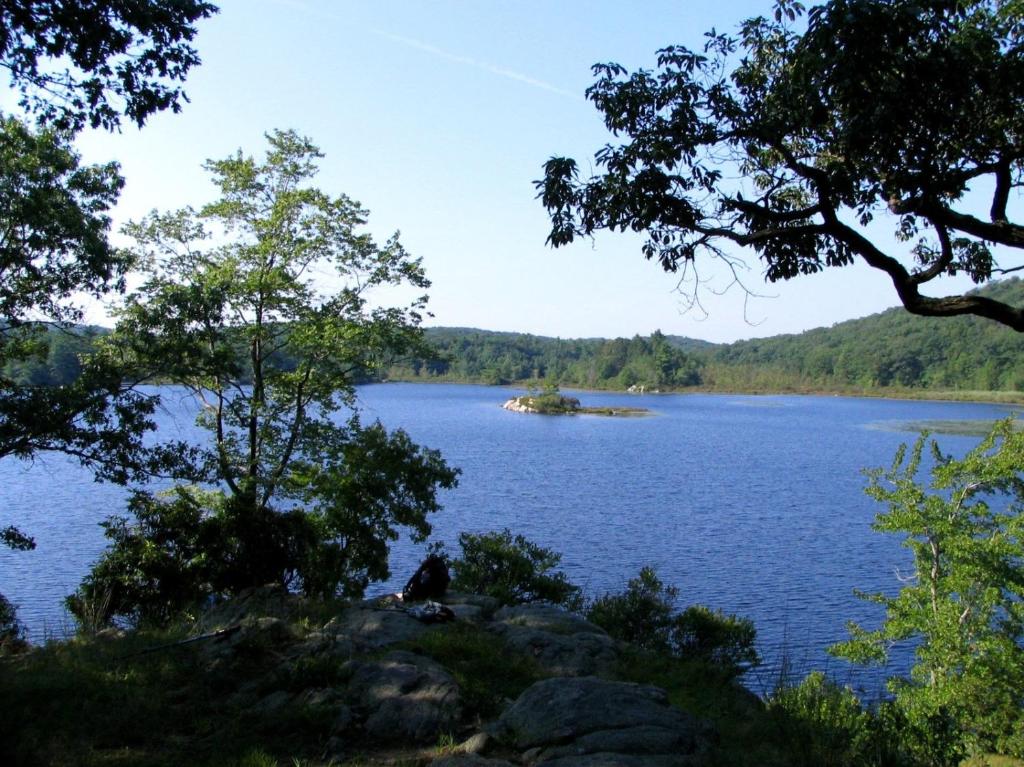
550,401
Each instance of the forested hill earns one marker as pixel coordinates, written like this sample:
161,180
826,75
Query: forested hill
890,349
893,349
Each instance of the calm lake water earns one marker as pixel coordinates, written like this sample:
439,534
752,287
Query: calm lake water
752,504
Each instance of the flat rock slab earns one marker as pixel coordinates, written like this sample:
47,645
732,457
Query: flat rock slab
577,722
266,633
404,698
371,628
486,604
563,644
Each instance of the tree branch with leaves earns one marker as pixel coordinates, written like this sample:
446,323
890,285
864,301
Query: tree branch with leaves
792,141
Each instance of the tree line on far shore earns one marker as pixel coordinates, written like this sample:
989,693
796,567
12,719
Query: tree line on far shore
892,349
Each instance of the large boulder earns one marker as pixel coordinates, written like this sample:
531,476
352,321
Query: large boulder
577,722
562,643
371,628
404,698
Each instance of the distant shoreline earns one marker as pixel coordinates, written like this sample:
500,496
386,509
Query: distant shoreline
920,395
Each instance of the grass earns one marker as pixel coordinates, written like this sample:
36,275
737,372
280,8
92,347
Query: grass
101,704
108,703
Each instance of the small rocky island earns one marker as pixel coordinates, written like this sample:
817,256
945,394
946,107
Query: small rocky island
553,402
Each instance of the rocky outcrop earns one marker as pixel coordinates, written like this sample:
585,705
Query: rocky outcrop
563,644
556,405
364,670
371,628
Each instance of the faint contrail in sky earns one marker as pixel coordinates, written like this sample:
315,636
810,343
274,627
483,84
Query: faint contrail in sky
409,42
467,61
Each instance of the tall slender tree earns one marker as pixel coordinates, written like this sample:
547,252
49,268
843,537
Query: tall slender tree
262,306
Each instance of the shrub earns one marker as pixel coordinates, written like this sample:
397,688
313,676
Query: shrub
716,637
962,609
188,544
642,614
511,569
822,723
11,629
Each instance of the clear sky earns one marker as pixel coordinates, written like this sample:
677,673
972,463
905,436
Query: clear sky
438,116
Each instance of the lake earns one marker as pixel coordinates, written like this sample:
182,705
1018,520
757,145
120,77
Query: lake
752,504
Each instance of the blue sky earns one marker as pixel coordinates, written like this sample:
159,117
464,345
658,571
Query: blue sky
437,116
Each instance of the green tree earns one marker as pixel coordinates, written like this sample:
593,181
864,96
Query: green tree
792,140
962,606
53,246
642,614
74,63
261,305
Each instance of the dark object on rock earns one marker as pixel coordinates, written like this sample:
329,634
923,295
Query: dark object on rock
430,581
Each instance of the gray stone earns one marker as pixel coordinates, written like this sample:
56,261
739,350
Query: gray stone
262,633
320,643
272,703
546,618
568,718
644,739
323,696
371,628
562,643
468,613
475,744
343,719
405,697
488,605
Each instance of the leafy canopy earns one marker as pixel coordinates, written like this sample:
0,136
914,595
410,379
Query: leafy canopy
792,141
92,62
962,606
262,307
53,248
75,63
